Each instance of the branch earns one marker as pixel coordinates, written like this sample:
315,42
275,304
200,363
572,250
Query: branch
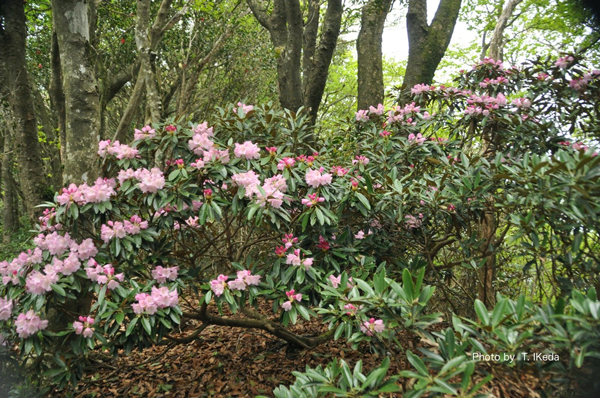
260,15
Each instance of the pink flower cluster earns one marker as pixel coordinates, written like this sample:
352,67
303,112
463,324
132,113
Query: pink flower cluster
202,144
10,272
292,296
40,283
405,115
498,81
247,150
522,102
339,171
336,280
563,62
159,298
101,191
413,222
118,229
116,149
245,108
312,200
83,326
29,323
294,259
103,274
416,139
490,61
162,274
361,160
362,115
323,244
244,279
285,163
376,111
421,88
146,132
272,190
316,178
6,306
372,326
45,219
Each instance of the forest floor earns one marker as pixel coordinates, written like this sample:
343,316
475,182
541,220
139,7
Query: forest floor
235,362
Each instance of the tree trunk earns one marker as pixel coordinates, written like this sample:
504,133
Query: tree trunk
82,106
57,95
14,69
496,45
368,47
10,198
427,43
316,78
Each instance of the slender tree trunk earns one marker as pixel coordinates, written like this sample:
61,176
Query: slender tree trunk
316,78
14,69
82,106
368,47
496,46
10,212
57,95
427,43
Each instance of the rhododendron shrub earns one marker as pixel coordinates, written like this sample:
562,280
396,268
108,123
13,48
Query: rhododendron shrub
202,220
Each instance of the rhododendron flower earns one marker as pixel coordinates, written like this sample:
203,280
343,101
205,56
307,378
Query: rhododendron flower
245,108
272,150
86,249
292,296
248,278
563,62
83,326
135,225
372,326
413,222
280,251
71,264
351,309
385,133
218,285
145,304
40,283
144,133
163,297
112,229
314,178
376,111
335,281
248,180
162,274
312,200
70,195
418,139
339,171
6,306
285,163
289,240
361,160
237,284
362,116
247,150
29,323
294,258
151,180
323,244
360,235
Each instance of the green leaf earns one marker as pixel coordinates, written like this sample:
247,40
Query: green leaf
408,286
59,290
482,312
363,200
131,326
417,363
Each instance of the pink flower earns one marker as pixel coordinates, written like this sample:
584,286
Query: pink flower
418,139
245,108
292,296
144,133
237,284
360,235
40,283
372,326
314,178
162,274
376,111
247,150
272,150
323,244
335,281
351,309
563,62
145,304
6,306
83,326
151,180
164,298
280,251
385,133
86,249
312,200
29,323
286,305
285,163
218,285
361,160
362,116
248,278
